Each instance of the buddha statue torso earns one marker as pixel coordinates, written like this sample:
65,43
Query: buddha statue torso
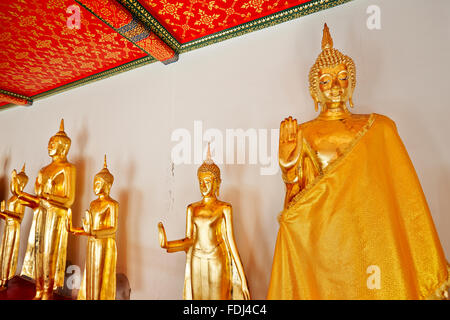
14,205
101,213
54,180
207,220
329,138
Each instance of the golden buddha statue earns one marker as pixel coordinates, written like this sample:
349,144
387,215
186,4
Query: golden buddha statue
100,225
353,202
213,267
13,213
55,194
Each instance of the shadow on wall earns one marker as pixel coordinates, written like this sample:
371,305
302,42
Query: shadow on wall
4,182
246,223
129,198
4,178
76,246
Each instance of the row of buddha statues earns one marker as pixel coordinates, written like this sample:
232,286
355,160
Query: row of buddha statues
353,203
45,257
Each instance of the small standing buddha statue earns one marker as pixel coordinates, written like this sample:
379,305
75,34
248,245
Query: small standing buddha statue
55,194
13,213
213,267
100,225
355,223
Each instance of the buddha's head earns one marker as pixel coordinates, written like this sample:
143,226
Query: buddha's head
209,177
59,144
21,179
103,181
332,78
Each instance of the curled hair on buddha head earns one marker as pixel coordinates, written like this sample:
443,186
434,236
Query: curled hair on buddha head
63,138
209,166
104,174
330,57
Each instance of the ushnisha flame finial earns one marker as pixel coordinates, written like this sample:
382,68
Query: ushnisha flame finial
327,41
23,168
208,154
209,166
61,132
105,174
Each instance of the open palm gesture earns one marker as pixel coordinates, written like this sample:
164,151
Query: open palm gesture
290,143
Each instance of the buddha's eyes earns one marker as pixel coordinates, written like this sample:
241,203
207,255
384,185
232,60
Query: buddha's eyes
343,76
323,82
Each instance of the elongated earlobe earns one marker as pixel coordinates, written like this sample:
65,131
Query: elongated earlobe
316,105
217,189
350,101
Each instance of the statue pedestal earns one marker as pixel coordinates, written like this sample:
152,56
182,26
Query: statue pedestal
22,289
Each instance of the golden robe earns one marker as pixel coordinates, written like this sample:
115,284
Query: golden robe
101,260
366,212
29,263
230,270
9,249
99,279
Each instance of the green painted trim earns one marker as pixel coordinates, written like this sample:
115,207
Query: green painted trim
282,16
105,22
147,19
98,76
95,77
13,94
138,10
261,23
92,78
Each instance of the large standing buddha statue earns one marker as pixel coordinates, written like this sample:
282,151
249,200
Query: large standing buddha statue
45,259
214,269
355,224
12,212
100,226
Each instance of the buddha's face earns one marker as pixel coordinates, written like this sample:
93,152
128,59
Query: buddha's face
53,146
57,146
207,183
334,85
101,187
20,182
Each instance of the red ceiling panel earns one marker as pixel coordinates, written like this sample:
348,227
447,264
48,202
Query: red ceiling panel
188,20
38,52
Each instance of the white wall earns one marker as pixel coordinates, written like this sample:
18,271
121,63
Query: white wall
253,81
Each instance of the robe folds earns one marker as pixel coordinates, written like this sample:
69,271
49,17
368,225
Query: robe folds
9,249
230,270
362,229
39,224
100,270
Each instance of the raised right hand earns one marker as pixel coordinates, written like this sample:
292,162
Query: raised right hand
291,144
162,236
15,183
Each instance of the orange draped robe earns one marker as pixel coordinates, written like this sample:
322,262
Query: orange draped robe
364,221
